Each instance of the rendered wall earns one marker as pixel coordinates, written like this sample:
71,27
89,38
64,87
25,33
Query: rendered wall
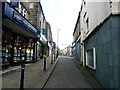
106,41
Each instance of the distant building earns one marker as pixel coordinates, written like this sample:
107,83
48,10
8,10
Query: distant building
48,35
69,51
99,40
77,40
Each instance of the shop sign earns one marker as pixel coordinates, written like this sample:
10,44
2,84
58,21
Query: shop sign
38,34
14,3
43,39
44,31
21,20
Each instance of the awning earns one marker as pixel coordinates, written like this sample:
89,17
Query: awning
43,39
50,46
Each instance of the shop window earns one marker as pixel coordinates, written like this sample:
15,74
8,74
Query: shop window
29,49
16,48
91,58
6,47
23,49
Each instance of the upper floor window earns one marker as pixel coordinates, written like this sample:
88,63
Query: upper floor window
31,5
87,22
22,10
84,3
84,14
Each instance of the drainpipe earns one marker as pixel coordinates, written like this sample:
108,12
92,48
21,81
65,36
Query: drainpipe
83,52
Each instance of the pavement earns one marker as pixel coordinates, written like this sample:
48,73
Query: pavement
92,81
35,76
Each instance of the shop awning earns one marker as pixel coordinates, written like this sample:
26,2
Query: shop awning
43,39
50,46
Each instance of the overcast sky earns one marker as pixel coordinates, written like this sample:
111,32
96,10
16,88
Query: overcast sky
62,14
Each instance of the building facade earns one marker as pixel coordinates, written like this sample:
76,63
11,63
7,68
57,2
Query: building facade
37,18
18,34
99,25
23,39
76,40
69,51
48,35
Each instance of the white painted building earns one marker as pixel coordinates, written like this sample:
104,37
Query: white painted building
94,12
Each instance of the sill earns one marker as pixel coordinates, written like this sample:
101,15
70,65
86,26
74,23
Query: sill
92,68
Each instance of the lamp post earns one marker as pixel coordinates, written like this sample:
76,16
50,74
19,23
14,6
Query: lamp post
57,41
58,37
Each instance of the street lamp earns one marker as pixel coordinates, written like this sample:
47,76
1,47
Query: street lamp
57,41
58,37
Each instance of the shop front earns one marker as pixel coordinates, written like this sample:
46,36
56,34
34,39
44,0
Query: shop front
43,48
17,48
18,38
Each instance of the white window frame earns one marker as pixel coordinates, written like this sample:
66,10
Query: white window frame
31,5
94,58
22,10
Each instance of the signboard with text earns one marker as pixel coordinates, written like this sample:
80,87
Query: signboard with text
14,3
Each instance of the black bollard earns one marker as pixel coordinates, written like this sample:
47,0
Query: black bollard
44,63
54,57
22,77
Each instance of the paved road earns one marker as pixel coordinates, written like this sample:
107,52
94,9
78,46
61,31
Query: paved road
67,75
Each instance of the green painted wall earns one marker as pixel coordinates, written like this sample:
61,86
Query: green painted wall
77,51
107,43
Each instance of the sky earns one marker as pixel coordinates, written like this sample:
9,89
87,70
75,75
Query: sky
62,15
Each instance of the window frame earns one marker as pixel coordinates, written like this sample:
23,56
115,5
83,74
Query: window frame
94,58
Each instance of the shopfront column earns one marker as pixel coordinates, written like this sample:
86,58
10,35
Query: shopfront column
0,44
0,33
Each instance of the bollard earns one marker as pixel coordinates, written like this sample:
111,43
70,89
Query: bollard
22,77
51,59
54,57
44,63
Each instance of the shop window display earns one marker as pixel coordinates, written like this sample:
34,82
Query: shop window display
17,49
23,49
6,48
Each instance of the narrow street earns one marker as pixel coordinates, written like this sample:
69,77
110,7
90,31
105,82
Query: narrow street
47,44
66,75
